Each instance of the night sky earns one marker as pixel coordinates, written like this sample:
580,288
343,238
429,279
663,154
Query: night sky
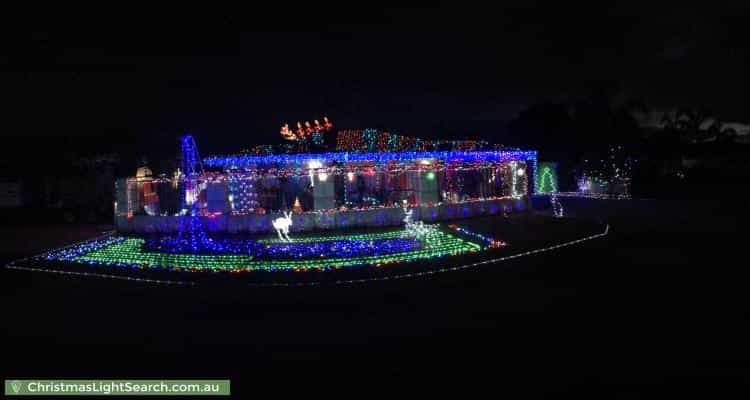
139,78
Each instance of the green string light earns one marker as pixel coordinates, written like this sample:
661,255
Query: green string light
547,181
129,253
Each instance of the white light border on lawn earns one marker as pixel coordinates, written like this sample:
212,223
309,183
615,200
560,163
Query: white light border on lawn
439,270
315,283
104,276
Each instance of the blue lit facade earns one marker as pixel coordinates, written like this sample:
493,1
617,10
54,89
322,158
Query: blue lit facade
242,161
244,192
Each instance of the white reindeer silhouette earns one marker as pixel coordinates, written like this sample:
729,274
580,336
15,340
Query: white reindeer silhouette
408,213
416,229
282,225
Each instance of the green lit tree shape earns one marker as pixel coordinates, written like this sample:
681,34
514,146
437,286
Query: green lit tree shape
547,181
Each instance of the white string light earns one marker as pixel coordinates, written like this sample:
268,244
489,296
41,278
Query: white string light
441,270
557,207
104,276
598,196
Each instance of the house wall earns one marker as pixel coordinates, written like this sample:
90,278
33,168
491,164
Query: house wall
261,223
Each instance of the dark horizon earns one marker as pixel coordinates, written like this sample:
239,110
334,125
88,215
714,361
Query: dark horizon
232,81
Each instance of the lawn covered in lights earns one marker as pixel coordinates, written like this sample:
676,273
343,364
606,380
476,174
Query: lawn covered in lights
303,254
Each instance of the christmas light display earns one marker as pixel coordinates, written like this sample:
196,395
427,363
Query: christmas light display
366,168
609,176
514,178
22,265
192,169
489,242
287,133
372,140
382,169
260,150
282,225
369,139
435,271
306,130
598,196
249,161
313,254
243,197
69,253
102,276
281,249
324,238
254,183
557,208
453,171
191,232
546,178
318,139
251,182
297,208
417,229
584,183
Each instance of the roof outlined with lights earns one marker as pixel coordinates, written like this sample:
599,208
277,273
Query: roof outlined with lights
242,160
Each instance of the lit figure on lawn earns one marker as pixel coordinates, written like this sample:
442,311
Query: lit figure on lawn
557,208
415,228
282,225
408,214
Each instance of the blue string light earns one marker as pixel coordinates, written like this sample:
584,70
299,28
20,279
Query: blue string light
244,161
489,241
327,248
68,253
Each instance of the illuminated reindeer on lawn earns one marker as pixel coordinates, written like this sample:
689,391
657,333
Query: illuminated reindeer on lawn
415,228
282,225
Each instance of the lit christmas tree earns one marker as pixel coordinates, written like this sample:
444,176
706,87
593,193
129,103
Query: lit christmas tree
546,182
